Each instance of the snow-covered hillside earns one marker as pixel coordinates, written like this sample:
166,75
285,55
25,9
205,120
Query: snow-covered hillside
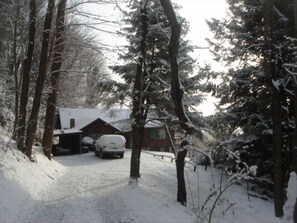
85,188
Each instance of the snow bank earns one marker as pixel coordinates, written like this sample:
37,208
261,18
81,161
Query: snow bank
22,181
292,196
85,188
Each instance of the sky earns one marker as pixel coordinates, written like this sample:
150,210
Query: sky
195,11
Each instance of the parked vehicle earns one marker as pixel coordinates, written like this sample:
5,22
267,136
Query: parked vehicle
110,145
88,143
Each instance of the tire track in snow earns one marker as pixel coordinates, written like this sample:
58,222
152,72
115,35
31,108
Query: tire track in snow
87,192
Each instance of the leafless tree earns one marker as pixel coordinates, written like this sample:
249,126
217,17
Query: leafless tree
33,120
33,82
83,66
55,76
176,88
177,97
26,77
15,52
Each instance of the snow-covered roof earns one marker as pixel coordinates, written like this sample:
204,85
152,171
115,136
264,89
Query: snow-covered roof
118,118
85,116
125,125
66,131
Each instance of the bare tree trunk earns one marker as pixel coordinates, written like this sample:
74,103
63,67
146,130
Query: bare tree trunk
271,74
26,77
15,69
177,96
294,146
180,166
32,124
138,111
176,90
55,76
294,140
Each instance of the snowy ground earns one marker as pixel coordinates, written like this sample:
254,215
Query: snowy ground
85,188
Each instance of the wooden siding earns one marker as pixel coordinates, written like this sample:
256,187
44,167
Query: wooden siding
97,128
163,145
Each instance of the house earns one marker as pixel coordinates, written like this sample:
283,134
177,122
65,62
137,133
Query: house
155,137
74,123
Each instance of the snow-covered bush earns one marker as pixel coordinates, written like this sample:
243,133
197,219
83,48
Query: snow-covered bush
252,152
229,176
290,205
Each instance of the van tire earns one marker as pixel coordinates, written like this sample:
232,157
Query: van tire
101,154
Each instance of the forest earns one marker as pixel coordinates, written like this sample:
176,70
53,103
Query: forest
50,58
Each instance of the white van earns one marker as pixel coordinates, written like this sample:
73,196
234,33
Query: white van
110,145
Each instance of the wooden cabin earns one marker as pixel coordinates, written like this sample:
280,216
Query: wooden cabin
74,123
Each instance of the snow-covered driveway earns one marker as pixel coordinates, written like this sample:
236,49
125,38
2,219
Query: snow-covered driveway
87,189
96,190
86,192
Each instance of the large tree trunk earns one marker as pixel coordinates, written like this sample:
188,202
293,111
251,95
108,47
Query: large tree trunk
137,141
180,166
177,96
16,68
138,110
173,47
277,153
294,140
271,75
33,120
294,143
26,77
55,76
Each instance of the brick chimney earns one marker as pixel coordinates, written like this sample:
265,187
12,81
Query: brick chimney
72,123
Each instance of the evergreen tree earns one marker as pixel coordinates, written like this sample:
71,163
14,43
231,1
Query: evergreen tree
246,92
243,95
157,80
146,73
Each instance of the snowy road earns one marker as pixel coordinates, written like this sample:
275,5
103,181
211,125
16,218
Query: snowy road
87,192
87,189
96,190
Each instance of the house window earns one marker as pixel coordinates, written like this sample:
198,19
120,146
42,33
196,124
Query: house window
157,134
